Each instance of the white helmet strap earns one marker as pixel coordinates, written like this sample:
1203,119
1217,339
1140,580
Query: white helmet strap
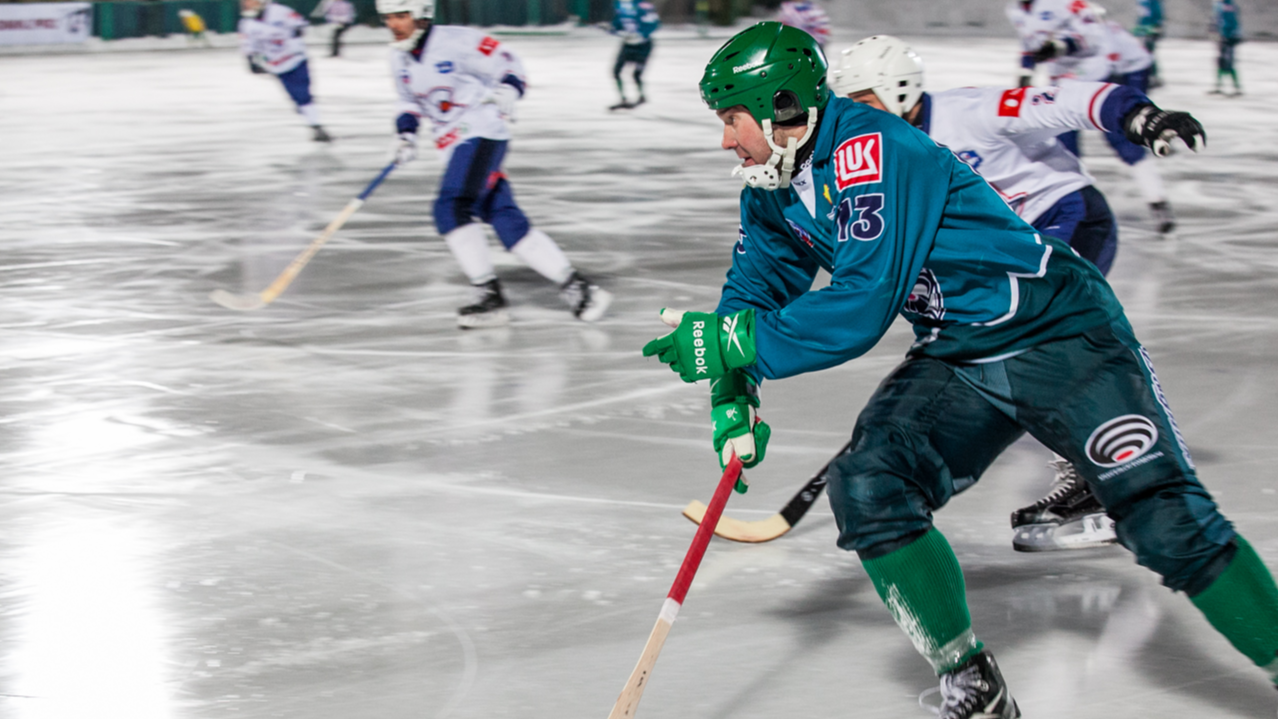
766,176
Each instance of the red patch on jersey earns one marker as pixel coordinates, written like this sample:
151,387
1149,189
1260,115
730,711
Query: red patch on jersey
1077,6
1010,102
857,161
487,45
448,139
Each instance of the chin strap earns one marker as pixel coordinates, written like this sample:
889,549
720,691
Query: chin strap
766,176
409,42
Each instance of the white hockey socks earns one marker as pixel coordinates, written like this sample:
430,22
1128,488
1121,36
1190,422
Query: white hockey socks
1146,175
311,113
471,249
541,253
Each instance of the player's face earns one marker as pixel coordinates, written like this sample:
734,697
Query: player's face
250,5
868,97
743,135
401,24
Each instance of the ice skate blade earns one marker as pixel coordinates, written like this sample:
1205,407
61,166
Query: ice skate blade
1087,532
243,303
600,300
481,320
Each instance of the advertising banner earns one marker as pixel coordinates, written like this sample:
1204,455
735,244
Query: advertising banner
44,23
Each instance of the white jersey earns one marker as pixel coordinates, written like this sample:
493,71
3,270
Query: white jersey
1076,23
274,38
446,87
1009,137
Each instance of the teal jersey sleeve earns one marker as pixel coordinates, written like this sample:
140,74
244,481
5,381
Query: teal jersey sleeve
890,190
904,228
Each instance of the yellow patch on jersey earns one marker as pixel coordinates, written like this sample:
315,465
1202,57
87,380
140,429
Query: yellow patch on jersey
826,193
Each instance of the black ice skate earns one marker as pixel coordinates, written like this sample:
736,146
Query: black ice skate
1070,517
1162,213
976,690
623,105
586,301
489,309
319,135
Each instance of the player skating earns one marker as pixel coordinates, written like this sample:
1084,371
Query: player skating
271,37
195,27
1074,40
1014,333
1150,28
1226,17
1010,138
464,85
634,21
808,16
341,15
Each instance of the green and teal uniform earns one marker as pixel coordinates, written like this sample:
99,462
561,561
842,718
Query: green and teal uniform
1014,333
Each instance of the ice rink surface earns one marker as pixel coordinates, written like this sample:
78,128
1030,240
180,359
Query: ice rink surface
343,506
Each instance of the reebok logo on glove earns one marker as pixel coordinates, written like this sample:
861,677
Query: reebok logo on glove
705,345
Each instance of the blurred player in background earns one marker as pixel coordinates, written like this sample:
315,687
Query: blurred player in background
1226,14
464,85
195,27
1150,28
341,15
634,21
1076,42
1014,333
271,37
806,15
1009,137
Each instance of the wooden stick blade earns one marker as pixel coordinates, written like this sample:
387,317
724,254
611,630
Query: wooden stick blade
736,530
242,303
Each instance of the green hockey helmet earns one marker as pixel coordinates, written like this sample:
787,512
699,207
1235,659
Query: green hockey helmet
775,70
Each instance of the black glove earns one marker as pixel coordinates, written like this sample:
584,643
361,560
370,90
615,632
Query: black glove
255,68
1048,51
1154,128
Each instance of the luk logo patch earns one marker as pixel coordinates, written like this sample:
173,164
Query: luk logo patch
1121,440
487,45
444,67
857,161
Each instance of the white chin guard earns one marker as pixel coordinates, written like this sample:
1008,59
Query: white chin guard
409,42
766,176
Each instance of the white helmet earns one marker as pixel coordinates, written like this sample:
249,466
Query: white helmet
884,64
421,9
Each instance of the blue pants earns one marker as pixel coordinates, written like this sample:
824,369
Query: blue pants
474,186
1084,221
933,427
297,82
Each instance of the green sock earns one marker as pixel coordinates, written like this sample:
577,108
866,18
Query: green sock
923,587
1242,604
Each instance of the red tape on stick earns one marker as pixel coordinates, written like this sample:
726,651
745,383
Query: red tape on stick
704,531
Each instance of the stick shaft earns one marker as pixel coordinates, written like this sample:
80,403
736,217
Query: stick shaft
628,700
704,531
286,277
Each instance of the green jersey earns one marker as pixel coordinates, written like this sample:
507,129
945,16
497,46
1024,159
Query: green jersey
905,228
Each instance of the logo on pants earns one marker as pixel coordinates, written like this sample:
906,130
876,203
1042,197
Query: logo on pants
1121,440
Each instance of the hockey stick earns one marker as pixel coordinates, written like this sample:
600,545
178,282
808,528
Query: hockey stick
281,283
628,700
766,530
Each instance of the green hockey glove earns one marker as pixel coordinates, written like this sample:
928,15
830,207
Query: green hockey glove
705,345
735,428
